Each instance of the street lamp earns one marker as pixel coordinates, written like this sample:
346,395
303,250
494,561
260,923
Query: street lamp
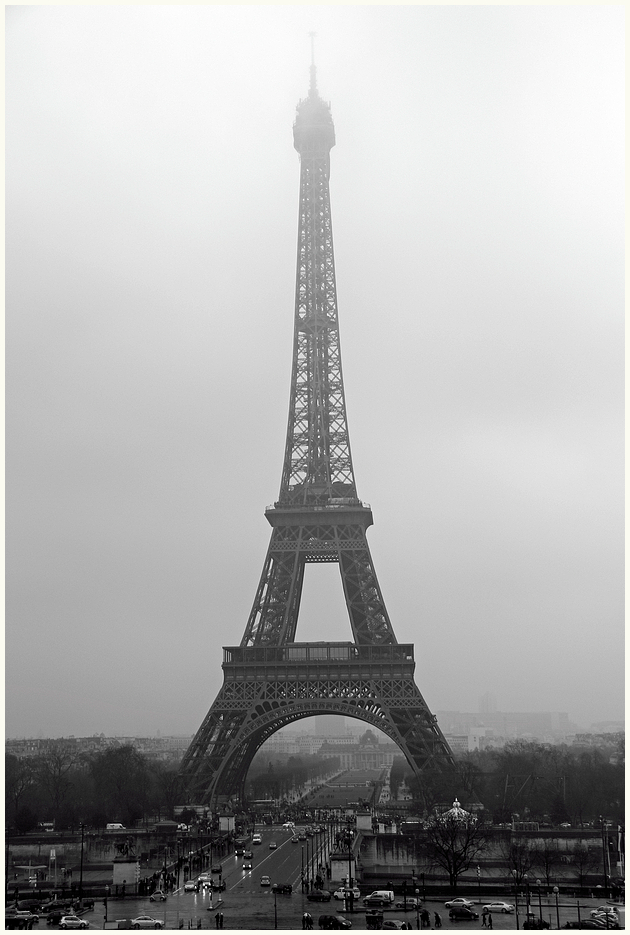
81,867
417,908
538,884
555,892
275,909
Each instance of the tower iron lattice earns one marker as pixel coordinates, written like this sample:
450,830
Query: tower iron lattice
269,679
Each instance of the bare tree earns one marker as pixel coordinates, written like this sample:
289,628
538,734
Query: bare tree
18,779
53,768
547,856
585,860
454,843
519,855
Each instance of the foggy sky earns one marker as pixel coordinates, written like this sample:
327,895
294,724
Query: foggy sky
152,200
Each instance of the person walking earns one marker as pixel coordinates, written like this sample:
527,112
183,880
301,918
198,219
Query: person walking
484,918
489,920
438,920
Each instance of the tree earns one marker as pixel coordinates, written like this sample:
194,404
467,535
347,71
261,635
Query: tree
585,860
53,769
454,842
547,856
519,856
18,780
122,782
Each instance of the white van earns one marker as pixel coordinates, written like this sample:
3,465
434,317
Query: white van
114,826
379,898
257,839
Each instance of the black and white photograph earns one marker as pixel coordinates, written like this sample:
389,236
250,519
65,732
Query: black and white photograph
314,466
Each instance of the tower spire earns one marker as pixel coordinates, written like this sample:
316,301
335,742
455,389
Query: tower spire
313,86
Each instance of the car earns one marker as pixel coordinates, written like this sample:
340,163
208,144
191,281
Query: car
301,836
498,907
319,896
73,922
295,840
462,914
285,888
190,886
584,924
393,924
247,865
216,868
272,845
376,901
343,892
333,922
265,881
257,839
146,922
25,914
601,909
217,885
248,854
608,919
158,896
458,901
412,903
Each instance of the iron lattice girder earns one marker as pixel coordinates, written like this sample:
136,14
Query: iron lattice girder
268,688
317,454
323,534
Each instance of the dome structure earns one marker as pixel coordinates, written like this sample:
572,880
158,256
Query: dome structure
457,813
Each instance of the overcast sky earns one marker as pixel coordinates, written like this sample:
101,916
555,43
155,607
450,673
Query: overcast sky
152,200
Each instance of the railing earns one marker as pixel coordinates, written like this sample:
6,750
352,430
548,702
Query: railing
292,653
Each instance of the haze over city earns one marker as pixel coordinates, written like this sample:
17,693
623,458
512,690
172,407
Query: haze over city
477,204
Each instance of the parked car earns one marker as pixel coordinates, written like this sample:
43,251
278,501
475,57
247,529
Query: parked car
285,888
146,922
72,922
601,909
265,881
458,901
608,919
584,924
319,896
462,914
374,900
158,897
393,924
498,907
23,914
343,891
333,922
412,903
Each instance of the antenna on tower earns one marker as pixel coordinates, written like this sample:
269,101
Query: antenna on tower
313,87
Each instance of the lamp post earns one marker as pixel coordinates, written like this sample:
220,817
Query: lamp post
417,908
555,893
604,854
479,882
275,910
81,867
538,884
424,898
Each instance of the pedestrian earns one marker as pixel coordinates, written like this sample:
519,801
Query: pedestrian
438,920
484,918
217,920
489,920
304,920
220,920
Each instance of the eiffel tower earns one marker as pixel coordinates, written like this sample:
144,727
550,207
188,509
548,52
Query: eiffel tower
270,680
